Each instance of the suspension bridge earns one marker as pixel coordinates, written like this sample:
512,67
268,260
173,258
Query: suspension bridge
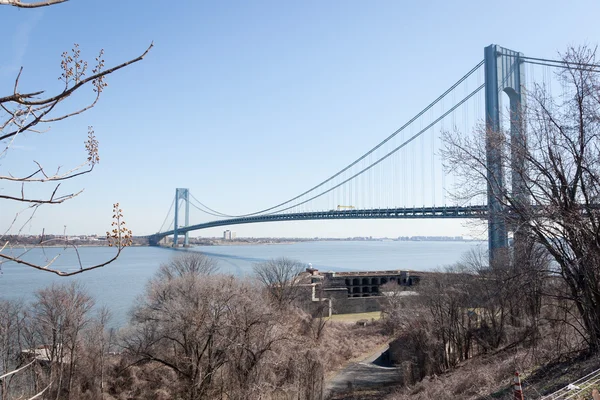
405,176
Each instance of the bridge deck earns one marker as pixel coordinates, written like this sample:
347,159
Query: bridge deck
378,213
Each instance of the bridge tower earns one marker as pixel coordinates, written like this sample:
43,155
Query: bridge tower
504,72
181,194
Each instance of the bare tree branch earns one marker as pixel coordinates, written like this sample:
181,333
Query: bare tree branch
20,4
51,102
56,271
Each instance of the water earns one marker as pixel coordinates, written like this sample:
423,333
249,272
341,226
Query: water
117,285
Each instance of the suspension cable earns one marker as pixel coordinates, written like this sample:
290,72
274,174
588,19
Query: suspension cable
548,62
574,67
168,212
464,100
204,211
216,213
563,62
432,104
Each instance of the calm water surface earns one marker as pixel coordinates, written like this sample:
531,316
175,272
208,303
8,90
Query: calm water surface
117,285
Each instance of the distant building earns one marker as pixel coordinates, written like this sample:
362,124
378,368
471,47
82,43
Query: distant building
228,235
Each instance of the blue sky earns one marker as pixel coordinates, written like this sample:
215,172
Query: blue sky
249,103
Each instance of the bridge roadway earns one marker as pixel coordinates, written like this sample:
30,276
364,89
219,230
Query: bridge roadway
378,213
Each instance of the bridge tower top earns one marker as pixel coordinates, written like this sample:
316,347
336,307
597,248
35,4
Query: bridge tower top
181,194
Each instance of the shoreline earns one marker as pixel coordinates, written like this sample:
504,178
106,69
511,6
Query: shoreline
232,243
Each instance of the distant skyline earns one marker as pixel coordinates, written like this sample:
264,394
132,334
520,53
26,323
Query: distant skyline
243,102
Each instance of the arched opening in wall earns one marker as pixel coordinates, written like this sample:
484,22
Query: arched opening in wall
375,281
356,290
365,295
410,282
384,281
348,282
355,281
366,289
365,281
404,280
374,289
356,295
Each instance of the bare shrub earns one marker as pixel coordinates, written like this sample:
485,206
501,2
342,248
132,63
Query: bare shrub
280,278
218,336
185,264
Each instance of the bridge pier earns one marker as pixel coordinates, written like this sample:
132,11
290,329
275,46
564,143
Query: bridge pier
154,240
503,72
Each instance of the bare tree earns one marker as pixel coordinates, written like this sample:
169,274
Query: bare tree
59,316
54,346
12,324
96,343
280,276
212,331
219,337
560,179
187,264
179,322
260,333
32,111
395,302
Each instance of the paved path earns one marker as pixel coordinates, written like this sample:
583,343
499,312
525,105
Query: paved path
363,374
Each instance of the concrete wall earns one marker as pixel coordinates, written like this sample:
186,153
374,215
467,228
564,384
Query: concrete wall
350,305
318,308
336,301
314,301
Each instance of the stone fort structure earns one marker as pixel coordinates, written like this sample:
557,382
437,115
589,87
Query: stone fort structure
328,293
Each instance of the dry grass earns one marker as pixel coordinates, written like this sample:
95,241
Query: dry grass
473,379
365,394
552,377
489,377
